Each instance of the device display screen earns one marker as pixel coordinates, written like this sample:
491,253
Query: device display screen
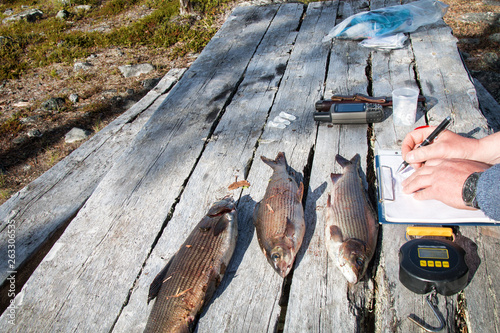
356,107
433,253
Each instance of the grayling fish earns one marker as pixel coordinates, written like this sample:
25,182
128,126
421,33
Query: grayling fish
279,217
194,272
351,223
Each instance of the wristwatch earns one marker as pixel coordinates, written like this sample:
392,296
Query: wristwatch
469,190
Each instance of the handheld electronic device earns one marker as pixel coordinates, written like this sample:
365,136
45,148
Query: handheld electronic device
427,264
351,113
432,265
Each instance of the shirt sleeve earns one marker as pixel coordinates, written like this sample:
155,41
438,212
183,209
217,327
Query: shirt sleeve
488,192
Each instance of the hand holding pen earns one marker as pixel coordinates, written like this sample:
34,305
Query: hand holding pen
440,128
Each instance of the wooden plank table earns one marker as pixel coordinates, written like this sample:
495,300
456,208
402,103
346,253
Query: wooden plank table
162,165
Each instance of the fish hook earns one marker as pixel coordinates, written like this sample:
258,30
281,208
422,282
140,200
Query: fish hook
432,301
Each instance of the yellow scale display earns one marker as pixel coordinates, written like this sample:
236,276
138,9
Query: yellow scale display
432,263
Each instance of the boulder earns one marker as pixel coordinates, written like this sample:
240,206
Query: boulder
30,15
135,70
76,134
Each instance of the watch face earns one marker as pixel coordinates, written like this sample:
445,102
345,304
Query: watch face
469,189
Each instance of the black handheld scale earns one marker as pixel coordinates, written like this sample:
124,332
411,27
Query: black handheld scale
431,265
425,264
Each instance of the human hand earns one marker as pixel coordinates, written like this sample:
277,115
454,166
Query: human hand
446,145
442,180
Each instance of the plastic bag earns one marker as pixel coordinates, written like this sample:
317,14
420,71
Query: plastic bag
389,20
390,42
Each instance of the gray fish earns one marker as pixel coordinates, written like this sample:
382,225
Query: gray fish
194,272
279,217
351,224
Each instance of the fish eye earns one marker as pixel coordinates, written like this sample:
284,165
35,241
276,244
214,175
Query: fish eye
360,261
275,256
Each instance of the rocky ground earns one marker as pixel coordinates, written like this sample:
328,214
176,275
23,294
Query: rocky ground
47,103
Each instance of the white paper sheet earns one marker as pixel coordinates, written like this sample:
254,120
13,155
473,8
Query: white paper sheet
404,208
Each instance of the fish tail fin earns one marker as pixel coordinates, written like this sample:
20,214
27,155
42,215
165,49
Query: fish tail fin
345,162
280,161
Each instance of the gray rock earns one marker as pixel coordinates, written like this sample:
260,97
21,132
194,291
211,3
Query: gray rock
74,98
30,119
150,83
128,103
488,17
492,60
8,12
54,103
495,37
135,70
76,134
77,66
30,15
83,8
469,41
35,133
491,2
62,14
19,140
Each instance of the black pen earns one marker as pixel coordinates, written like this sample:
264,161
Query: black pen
441,127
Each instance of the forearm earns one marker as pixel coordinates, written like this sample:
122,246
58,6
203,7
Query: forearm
488,149
488,192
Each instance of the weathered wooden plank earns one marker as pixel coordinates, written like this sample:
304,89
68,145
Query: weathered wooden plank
109,240
320,297
446,80
448,85
53,199
391,70
256,289
226,157
481,294
489,106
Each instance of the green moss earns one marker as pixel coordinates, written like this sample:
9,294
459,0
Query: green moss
50,40
11,125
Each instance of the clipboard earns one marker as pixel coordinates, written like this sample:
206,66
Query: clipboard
394,206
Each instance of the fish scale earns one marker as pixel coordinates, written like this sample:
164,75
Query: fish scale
279,217
351,226
350,207
190,278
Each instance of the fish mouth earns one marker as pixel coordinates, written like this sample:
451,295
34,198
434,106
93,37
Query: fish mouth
283,271
351,274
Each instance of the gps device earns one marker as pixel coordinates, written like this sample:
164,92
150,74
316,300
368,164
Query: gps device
350,113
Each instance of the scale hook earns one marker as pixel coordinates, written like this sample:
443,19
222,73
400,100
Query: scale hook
432,301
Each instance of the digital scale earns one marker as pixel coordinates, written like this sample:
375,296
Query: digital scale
435,265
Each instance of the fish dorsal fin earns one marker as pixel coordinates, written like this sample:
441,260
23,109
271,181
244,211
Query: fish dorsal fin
336,234
154,287
300,191
335,177
221,225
